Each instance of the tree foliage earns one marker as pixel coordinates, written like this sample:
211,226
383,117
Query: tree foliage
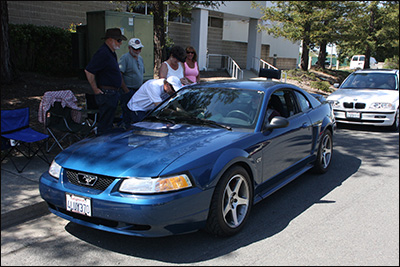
356,27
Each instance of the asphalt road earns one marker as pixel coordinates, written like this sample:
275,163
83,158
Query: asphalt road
349,216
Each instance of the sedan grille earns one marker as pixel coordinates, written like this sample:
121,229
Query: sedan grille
101,183
354,105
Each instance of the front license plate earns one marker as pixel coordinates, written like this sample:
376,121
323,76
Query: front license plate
354,115
78,204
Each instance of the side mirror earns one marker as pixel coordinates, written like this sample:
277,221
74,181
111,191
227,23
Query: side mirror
277,122
336,85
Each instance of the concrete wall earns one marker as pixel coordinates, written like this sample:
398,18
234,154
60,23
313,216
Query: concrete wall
54,13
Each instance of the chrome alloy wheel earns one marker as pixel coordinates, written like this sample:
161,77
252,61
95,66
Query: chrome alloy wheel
236,200
326,151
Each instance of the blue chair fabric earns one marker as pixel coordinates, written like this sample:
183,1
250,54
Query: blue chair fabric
18,136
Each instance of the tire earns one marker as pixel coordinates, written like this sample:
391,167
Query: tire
231,203
395,125
324,155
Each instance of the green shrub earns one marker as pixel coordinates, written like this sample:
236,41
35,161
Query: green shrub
321,85
392,63
42,49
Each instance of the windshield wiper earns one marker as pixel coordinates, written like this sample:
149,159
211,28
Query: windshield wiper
206,122
164,119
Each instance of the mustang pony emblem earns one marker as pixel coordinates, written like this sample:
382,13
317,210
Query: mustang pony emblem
87,179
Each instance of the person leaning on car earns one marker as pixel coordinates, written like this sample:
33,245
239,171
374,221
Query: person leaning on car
105,78
150,94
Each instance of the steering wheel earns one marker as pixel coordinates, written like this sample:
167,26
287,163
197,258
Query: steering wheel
236,111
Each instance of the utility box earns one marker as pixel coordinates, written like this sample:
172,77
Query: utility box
132,25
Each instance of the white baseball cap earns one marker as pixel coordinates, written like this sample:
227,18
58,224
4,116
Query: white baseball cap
135,43
175,82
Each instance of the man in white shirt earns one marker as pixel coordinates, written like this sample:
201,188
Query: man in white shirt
150,94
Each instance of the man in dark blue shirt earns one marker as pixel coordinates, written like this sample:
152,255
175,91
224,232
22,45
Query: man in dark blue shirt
105,78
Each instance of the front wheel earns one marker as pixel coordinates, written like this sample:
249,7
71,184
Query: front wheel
395,125
324,155
231,203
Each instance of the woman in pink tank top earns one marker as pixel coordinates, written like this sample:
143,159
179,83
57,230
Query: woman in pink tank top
191,67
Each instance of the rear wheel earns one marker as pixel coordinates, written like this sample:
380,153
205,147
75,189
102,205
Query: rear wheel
324,155
231,203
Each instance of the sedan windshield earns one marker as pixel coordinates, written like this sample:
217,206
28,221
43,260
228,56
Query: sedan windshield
371,81
212,107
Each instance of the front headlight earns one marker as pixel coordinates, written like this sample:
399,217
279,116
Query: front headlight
55,170
334,103
380,105
155,185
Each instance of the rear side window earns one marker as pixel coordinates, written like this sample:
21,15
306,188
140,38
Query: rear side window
303,102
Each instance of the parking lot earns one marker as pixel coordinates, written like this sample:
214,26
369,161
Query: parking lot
349,216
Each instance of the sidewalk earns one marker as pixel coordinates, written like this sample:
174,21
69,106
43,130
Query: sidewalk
20,197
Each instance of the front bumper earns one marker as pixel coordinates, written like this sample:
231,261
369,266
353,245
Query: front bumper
376,118
137,215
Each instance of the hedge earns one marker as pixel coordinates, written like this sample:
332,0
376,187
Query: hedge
42,49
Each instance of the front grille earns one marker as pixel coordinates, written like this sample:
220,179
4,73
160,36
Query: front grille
101,184
348,104
360,105
354,105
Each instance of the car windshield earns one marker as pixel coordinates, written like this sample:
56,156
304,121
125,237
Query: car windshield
371,81
213,107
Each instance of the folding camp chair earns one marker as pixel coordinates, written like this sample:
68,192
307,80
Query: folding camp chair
18,136
92,110
60,125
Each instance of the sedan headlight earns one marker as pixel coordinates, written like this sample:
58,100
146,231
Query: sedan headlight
55,170
155,185
380,105
334,103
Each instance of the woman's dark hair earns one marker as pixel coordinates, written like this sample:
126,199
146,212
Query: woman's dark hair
191,48
178,53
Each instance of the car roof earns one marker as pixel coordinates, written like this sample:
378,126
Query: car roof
253,85
389,71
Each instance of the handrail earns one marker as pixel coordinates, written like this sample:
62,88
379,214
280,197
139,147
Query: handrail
266,63
232,67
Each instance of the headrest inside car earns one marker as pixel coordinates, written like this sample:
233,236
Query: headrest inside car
270,73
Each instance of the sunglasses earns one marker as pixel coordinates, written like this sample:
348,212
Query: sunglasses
118,40
189,52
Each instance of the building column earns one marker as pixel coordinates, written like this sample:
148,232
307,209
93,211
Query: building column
198,35
253,46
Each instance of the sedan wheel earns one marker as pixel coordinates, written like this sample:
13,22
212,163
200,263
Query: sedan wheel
395,125
324,155
231,203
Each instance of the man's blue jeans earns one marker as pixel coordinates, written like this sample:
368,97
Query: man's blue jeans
107,103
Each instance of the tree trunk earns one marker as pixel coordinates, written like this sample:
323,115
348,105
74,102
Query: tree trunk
322,55
159,35
371,33
7,70
305,48
304,56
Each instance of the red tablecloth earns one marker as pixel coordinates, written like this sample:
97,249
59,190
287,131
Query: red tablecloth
66,97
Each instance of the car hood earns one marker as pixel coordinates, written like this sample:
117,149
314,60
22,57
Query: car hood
144,151
366,95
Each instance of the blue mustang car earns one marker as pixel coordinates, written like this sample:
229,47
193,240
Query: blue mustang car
199,160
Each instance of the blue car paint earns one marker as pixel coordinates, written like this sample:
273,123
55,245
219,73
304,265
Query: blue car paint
166,151
160,211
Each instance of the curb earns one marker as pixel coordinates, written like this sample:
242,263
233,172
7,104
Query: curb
15,217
